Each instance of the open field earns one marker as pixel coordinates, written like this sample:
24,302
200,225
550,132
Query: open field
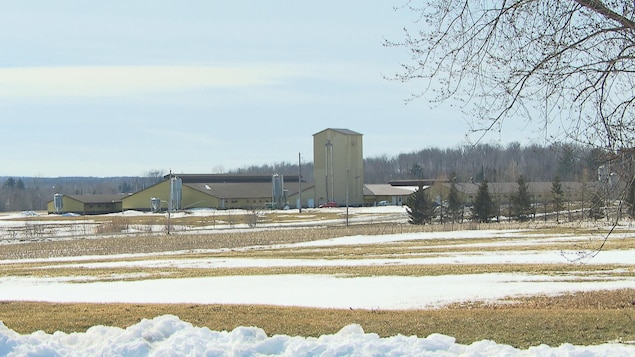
313,244
581,319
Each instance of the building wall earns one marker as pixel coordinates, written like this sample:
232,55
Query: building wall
502,192
392,200
192,198
101,207
338,166
140,201
307,198
69,205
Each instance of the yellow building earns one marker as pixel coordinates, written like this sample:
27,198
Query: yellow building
338,166
85,204
219,192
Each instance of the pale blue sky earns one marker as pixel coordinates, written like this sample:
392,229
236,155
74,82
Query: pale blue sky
109,88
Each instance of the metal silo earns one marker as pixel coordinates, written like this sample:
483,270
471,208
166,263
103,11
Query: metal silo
278,191
176,193
58,202
155,204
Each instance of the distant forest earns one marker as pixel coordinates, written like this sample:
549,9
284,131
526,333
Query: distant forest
494,163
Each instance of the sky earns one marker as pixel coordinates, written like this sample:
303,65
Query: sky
121,88
167,335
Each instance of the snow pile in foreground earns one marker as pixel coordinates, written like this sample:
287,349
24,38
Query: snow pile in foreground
169,336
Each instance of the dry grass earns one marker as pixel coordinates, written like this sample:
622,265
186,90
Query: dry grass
589,318
566,272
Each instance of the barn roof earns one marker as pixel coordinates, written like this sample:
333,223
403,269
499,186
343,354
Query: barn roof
244,190
229,178
388,190
341,131
97,198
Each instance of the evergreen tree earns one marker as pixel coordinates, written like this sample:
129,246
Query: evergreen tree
483,206
558,197
10,183
521,201
567,162
20,184
419,207
455,207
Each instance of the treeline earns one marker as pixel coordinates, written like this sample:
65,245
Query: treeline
491,162
494,163
33,193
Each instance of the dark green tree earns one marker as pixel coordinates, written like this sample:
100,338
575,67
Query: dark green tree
20,184
419,207
455,207
567,162
558,197
10,183
483,207
521,201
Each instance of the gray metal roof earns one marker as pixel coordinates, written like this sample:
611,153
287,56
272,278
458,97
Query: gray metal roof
227,178
342,131
97,198
388,190
244,190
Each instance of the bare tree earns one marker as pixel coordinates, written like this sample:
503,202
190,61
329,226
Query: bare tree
569,62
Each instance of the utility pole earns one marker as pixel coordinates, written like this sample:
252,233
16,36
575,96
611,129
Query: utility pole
300,182
347,197
170,201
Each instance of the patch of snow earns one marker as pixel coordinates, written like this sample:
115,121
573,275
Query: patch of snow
167,335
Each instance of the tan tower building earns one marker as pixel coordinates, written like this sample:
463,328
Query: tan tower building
338,167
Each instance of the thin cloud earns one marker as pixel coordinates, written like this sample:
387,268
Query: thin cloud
103,81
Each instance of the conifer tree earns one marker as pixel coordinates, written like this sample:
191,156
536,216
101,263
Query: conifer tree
521,201
483,206
558,197
419,207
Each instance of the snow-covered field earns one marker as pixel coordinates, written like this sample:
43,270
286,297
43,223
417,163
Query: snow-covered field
168,336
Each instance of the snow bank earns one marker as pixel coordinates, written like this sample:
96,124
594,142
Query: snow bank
169,336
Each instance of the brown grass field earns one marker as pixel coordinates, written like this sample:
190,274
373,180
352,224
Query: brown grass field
584,318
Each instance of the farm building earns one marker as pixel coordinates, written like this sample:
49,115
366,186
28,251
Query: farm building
196,191
338,167
392,195
502,192
221,192
85,204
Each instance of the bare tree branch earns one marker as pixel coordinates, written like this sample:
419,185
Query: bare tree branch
549,60
602,9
